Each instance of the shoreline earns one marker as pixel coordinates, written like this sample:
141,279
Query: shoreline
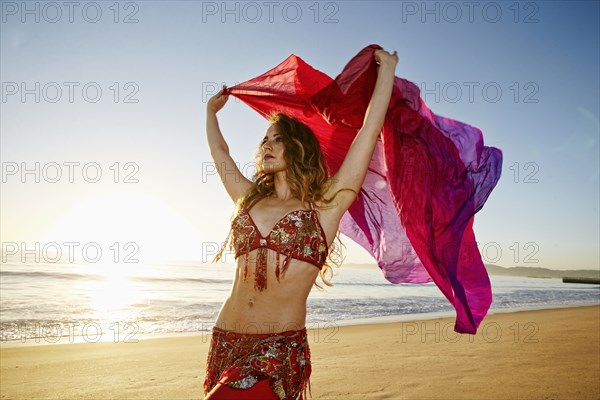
539,355
388,319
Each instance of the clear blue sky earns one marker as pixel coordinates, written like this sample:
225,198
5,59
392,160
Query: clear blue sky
542,56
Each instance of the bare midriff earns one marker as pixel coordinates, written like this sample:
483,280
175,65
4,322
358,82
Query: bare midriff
280,307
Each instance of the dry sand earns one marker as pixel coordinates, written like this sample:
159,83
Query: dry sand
544,354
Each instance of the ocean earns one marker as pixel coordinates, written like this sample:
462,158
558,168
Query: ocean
47,303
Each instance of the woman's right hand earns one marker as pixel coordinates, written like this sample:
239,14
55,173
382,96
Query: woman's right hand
217,102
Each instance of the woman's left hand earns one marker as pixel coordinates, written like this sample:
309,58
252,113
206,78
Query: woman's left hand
382,56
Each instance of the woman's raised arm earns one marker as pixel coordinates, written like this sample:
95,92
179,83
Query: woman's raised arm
234,181
353,170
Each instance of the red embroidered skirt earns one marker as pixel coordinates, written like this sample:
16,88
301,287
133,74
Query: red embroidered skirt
244,362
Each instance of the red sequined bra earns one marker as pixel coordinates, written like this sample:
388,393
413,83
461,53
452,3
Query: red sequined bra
298,235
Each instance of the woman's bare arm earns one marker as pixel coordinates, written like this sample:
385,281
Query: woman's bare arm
234,181
353,170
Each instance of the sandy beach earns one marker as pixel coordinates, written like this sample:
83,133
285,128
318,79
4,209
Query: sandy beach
542,354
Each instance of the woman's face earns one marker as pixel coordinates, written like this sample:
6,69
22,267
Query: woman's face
272,151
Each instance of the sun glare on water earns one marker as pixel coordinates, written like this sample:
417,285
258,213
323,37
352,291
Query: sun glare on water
125,232
110,297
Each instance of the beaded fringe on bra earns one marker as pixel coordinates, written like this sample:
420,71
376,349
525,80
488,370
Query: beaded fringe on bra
260,271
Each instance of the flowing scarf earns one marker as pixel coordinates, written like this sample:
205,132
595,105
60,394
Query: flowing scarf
427,178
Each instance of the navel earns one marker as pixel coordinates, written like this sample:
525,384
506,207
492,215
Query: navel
251,302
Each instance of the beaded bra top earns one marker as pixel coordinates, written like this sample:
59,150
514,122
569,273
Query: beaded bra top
298,235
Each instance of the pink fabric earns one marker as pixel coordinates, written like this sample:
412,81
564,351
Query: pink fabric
428,176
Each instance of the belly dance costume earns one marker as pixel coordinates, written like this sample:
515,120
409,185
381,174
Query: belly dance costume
266,365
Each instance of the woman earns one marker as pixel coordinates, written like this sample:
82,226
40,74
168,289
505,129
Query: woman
286,221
